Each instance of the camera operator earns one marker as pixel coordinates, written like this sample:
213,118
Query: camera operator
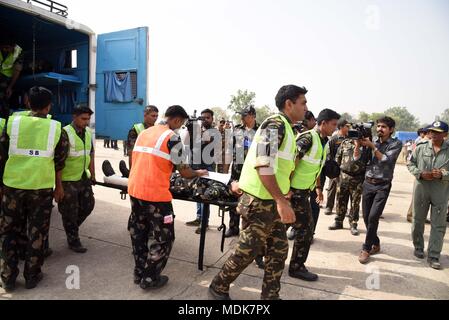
210,136
334,144
352,177
377,186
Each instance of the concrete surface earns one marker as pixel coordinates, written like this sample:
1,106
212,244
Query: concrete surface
106,270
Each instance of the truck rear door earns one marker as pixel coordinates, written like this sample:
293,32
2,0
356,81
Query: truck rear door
122,73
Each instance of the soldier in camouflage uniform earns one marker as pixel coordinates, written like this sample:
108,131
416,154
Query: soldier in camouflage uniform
265,216
310,162
242,140
150,117
151,207
334,144
32,206
78,176
350,184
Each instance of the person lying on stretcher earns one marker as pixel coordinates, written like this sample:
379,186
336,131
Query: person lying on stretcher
200,189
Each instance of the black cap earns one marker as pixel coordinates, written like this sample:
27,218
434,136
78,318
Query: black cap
247,111
343,123
439,126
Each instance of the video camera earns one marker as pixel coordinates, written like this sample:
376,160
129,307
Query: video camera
193,125
361,131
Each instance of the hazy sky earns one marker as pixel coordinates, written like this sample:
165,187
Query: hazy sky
352,55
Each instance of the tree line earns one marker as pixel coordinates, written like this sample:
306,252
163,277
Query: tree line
405,121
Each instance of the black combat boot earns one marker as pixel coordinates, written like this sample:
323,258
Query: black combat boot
32,282
77,247
158,283
107,169
336,226
124,169
215,295
303,274
9,285
231,233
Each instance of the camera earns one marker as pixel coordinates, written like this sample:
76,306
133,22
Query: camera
361,131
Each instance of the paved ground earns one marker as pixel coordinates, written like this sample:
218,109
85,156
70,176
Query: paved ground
106,270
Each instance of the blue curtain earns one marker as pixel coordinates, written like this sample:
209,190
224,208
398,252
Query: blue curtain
118,87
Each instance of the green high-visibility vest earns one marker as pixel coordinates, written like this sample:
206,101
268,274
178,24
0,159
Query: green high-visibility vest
283,166
2,124
310,166
7,64
32,143
78,161
28,113
140,127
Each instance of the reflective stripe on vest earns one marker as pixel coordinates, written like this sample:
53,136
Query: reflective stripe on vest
32,142
151,169
14,149
7,65
310,166
2,124
78,161
27,113
139,128
156,151
283,167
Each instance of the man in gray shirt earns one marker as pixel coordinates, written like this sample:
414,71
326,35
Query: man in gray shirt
377,186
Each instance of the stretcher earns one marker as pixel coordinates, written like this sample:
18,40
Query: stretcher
223,208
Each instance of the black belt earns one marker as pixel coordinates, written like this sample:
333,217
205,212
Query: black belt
353,174
376,181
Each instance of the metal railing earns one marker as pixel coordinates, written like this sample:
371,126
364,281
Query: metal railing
51,6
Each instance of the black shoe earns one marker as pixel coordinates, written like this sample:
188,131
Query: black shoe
215,295
260,262
198,230
34,281
124,169
428,221
232,233
303,274
419,253
155,284
77,247
355,232
194,223
107,169
47,253
10,284
434,263
328,213
137,279
292,234
336,226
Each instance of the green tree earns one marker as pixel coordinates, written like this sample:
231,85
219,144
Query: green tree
240,101
348,117
367,117
263,113
220,113
445,116
405,121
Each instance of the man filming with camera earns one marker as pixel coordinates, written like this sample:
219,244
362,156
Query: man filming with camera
377,186
352,176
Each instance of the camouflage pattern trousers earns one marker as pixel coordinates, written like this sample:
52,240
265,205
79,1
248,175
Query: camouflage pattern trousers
77,205
349,187
262,231
147,216
304,227
29,209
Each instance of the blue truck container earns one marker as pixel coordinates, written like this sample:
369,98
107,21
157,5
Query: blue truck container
107,72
